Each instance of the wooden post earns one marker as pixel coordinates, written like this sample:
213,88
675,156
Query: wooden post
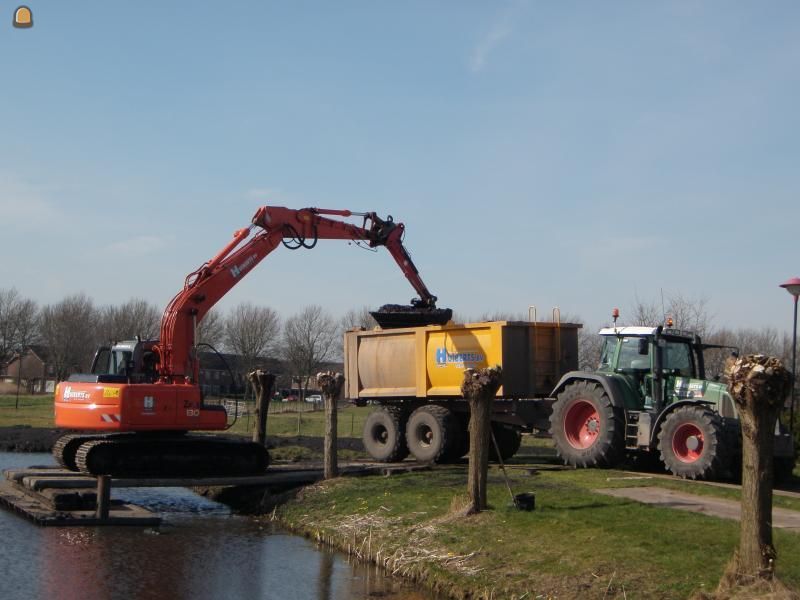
479,387
331,385
103,496
263,384
759,386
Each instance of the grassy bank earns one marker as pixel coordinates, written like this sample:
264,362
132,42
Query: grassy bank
285,418
576,543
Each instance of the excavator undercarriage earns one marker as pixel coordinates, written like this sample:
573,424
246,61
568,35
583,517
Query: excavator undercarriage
160,454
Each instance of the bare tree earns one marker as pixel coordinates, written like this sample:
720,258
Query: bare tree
211,329
310,339
252,332
357,317
767,341
18,323
687,313
68,329
126,321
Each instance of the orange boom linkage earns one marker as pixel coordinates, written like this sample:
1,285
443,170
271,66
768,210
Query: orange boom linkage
152,386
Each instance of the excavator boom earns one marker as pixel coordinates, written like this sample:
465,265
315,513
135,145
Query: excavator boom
295,229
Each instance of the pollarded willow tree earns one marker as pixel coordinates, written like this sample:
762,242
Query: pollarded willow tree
759,385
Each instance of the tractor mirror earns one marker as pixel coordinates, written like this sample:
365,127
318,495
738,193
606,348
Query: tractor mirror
644,346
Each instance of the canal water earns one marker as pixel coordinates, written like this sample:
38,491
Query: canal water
200,551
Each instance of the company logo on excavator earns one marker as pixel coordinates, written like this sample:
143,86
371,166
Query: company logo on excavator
74,395
237,270
444,358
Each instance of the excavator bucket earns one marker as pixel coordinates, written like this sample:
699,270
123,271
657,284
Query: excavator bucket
392,316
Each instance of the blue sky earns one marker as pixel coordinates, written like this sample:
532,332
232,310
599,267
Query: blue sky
575,154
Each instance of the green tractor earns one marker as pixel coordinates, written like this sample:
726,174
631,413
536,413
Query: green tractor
650,395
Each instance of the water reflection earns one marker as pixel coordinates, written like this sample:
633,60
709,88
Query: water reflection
200,551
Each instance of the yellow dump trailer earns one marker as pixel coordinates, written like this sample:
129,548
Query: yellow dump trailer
415,373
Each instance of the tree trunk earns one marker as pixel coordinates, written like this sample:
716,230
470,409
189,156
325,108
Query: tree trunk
331,385
479,387
263,384
758,385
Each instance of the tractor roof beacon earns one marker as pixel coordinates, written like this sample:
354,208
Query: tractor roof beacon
650,394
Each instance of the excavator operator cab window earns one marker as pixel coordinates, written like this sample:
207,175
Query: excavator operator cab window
120,362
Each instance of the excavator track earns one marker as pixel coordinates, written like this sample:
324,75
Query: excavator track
170,456
65,448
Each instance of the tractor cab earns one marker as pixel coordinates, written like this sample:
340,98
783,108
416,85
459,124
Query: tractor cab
658,367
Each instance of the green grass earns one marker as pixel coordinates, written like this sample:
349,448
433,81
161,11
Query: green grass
36,411
575,544
311,424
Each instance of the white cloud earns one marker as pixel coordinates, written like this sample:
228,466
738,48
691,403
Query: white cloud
498,32
136,246
24,206
262,193
501,29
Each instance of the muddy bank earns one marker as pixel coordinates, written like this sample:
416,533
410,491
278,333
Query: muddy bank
23,438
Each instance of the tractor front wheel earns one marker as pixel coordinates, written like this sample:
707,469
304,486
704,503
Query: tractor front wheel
586,428
691,443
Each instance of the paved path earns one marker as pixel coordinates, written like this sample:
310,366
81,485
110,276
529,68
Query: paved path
707,505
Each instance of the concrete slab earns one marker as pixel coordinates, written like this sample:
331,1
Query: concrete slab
717,507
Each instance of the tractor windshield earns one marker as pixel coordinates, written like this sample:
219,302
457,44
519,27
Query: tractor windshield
634,354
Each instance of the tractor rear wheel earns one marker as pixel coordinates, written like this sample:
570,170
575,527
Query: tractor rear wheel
586,428
692,443
431,433
384,435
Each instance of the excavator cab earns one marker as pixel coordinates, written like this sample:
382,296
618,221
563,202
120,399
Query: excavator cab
131,361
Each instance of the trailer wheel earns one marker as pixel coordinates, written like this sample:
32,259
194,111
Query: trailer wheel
431,433
509,439
384,436
692,443
586,428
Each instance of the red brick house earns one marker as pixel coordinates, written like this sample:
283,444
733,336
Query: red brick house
36,373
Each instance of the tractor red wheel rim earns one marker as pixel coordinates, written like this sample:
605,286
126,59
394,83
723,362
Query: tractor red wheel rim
581,424
687,443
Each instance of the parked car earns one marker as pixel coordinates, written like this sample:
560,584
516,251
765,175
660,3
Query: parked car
314,398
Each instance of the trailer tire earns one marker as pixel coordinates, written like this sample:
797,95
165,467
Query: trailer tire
509,439
691,443
431,433
588,431
384,435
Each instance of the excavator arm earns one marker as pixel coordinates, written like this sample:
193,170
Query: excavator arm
294,228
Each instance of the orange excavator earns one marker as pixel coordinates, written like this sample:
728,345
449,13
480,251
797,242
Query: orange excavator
134,410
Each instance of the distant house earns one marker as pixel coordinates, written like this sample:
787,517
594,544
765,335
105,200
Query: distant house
223,373
34,370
